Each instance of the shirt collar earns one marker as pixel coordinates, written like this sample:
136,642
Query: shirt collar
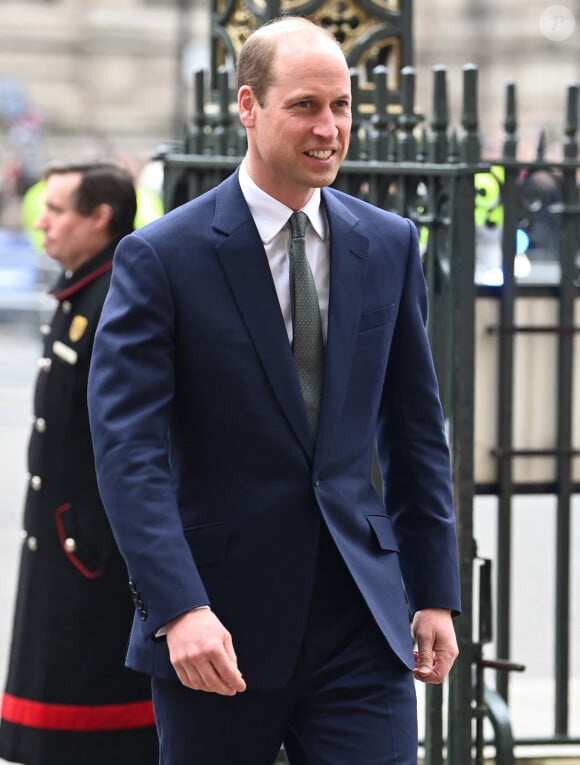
270,215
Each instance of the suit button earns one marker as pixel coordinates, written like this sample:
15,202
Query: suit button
40,424
32,544
36,483
70,545
317,482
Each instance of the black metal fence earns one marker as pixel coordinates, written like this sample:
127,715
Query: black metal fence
500,244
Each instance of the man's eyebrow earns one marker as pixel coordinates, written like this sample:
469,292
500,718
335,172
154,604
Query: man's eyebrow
316,96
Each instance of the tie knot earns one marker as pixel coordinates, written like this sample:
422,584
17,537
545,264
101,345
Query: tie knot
298,222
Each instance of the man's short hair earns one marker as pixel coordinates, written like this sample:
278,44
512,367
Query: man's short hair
256,57
102,182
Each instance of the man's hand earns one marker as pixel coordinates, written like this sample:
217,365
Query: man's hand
436,644
202,653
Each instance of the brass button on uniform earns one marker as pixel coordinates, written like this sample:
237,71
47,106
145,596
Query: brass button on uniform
66,306
36,483
70,545
32,544
40,424
45,329
45,364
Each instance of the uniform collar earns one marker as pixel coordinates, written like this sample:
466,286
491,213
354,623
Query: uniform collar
71,282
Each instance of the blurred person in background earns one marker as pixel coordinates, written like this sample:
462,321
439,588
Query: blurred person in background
69,700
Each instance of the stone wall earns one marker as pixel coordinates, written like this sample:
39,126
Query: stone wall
103,76
507,40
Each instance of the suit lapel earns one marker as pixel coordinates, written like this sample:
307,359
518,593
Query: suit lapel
241,254
348,253
245,264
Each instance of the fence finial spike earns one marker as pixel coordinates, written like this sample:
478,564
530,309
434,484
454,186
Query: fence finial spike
571,127
453,148
440,118
407,119
541,150
470,144
511,122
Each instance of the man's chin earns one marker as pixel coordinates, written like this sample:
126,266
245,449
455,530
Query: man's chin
325,178
53,256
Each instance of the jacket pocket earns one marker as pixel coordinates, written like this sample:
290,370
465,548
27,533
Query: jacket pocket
80,553
208,543
384,533
377,318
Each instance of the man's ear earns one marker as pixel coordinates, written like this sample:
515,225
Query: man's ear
102,216
246,106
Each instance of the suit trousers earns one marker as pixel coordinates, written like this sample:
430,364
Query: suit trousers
349,701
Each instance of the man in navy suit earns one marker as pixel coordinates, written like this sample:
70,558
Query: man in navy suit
272,585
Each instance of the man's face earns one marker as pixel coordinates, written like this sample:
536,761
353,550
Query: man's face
69,237
298,139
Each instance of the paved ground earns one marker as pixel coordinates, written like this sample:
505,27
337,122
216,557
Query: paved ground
531,693
19,350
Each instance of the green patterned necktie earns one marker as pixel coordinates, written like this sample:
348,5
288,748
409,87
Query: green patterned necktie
307,343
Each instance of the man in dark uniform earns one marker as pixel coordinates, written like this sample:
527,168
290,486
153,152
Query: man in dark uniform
69,700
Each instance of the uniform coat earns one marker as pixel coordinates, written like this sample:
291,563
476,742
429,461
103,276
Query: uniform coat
207,467
69,699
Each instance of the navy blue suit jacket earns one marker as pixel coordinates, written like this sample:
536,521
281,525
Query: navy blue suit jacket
210,476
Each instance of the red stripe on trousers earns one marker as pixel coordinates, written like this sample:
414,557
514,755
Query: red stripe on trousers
37,714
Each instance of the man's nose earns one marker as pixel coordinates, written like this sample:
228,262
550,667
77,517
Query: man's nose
40,224
326,124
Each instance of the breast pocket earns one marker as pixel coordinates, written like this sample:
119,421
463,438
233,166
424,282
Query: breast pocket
377,318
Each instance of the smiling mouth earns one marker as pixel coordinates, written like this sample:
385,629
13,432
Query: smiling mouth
320,154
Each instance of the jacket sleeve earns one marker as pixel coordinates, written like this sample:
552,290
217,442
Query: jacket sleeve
414,456
130,394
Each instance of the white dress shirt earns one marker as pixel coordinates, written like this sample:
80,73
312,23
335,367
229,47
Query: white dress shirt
271,219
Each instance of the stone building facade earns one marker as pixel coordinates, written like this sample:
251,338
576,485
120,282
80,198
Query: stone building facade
535,43
96,76
108,76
